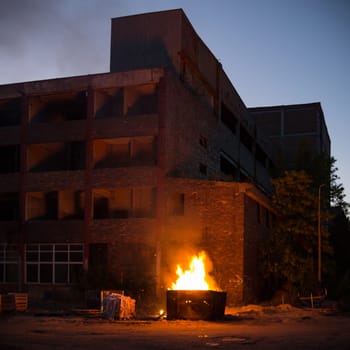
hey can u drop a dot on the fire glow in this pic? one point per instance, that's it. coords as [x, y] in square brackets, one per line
[195, 277]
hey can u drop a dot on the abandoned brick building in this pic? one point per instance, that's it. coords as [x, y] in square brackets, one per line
[130, 171]
[293, 129]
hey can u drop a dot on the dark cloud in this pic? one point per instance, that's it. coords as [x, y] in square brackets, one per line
[65, 37]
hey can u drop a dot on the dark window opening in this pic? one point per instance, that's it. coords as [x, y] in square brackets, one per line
[10, 159]
[227, 168]
[260, 155]
[124, 202]
[75, 155]
[9, 206]
[101, 208]
[71, 205]
[58, 108]
[109, 103]
[245, 138]
[56, 156]
[10, 112]
[42, 206]
[113, 153]
[141, 99]
[228, 118]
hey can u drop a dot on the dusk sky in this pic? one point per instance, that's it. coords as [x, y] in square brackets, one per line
[274, 51]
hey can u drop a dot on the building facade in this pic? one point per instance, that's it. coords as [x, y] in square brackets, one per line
[113, 179]
[294, 130]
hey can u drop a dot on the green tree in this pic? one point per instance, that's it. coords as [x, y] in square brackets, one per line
[337, 191]
[290, 254]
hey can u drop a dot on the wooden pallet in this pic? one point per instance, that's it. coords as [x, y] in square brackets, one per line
[14, 302]
[21, 301]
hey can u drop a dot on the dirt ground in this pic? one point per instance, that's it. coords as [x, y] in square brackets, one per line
[250, 327]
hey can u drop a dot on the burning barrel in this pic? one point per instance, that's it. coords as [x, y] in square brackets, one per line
[193, 297]
[195, 304]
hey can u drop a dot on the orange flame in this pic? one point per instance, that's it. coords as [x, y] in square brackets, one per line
[195, 278]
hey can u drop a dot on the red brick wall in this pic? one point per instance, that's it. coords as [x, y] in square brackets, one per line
[220, 219]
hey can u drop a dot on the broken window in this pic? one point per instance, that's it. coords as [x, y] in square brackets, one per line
[119, 203]
[54, 263]
[58, 108]
[9, 206]
[228, 118]
[143, 150]
[56, 156]
[109, 103]
[176, 204]
[123, 203]
[10, 159]
[144, 202]
[114, 203]
[41, 206]
[112, 153]
[246, 139]
[260, 155]
[10, 112]
[71, 205]
[140, 99]
[9, 257]
[228, 168]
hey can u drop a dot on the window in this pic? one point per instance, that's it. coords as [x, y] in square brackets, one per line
[260, 155]
[112, 153]
[227, 167]
[228, 118]
[124, 202]
[10, 112]
[58, 108]
[8, 263]
[246, 138]
[9, 206]
[56, 156]
[42, 205]
[54, 263]
[10, 159]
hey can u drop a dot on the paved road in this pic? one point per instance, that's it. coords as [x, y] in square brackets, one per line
[21, 332]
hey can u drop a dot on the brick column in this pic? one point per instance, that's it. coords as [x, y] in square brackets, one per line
[160, 198]
[88, 173]
[22, 196]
